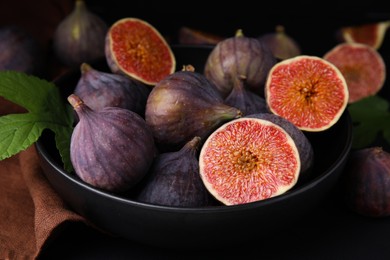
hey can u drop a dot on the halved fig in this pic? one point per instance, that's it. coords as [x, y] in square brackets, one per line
[362, 67]
[247, 160]
[308, 91]
[371, 34]
[135, 48]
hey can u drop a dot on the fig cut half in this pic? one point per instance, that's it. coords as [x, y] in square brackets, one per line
[248, 160]
[362, 67]
[371, 34]
[135, 48]
[308, 91]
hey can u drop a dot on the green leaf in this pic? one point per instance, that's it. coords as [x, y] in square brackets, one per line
[46, 110]
[371, 119]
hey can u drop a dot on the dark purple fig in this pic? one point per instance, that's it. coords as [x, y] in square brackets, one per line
[239, 57]
[245, 100]
[20, 51]
[305, 149]
[367, 182]
[174, 179]
[112, 148]
[100, 89]
[281, 45]
[80, 37]
[183, 105]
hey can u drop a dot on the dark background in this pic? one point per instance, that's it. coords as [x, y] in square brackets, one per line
[330, 232]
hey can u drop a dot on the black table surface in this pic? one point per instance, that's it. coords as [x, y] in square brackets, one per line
[332, 231]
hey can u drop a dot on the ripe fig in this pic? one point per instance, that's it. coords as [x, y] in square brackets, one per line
[183, 105]
[281, 45]
[100, 89]
[80, 36]
[112, 148]
[135, 48]
[20, 51]
[239, 57]
[174, 179]
[367, 182]
[308, 91]
[305, 149]
[247, 160]
[245, 100]
[362, 67]
[371, 34]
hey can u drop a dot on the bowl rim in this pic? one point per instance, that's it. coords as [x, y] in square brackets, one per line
[207, 209]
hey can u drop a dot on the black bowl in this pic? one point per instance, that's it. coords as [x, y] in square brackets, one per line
[198, 227]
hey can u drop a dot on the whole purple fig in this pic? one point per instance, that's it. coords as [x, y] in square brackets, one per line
[80, 37]
[100, 89]
[174, 179]
[281, 45]
[239, 57]
[183, 105]
[20, 51]
[112, 148]
[367, 182]
[245, 100]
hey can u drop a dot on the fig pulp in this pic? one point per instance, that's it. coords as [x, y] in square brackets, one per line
[183, 105]
[239, 57]
[80, 36]
[174, 179]
[371, 34]
[281, 45]
[135, 48]
[308, 91]
[362, 67]
[367, 182]
[247, 160]
[100, 89]
[305, 149]
[112, 148]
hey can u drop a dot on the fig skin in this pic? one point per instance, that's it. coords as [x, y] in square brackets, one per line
[183, 105]
[246, 101]
[111, 149]
[174, 179]
[367, 182]
[281, 45]
[100, 89]
[80, 36]
[190, 36]
[305, 149]
[239, 57]
[20, 51]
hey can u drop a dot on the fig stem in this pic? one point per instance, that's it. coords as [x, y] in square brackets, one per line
[85, 67]
[279, 29]
[239, 33]
[75, 101]
[194, 143]
[188, 67]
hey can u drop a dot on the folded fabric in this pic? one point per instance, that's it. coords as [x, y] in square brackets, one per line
[31, 212]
